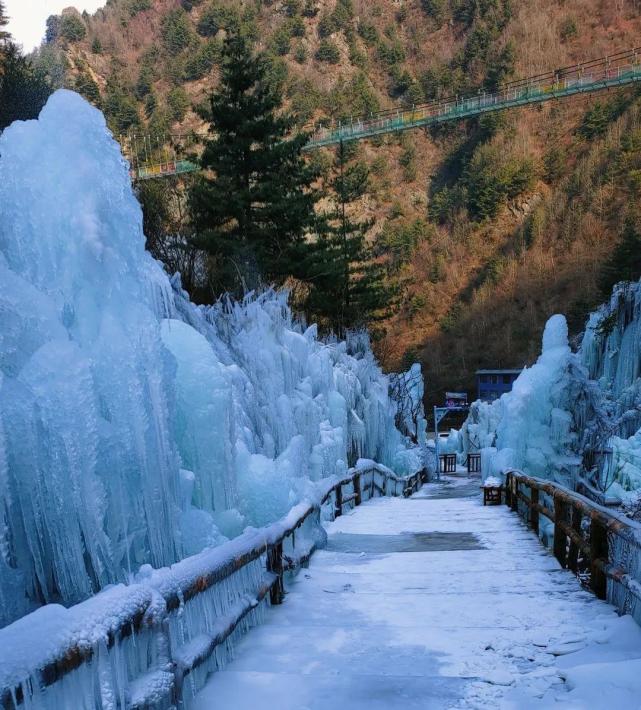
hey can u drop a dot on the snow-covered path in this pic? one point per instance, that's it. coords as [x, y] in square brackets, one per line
[433, 602]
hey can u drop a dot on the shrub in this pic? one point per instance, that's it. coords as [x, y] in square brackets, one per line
[202, 62]
[568, 29]
[356, 56]
[215, 18]
[281, 41]
[553, 164]
[310, 9]
[176, 31]
[435, 10]
[53, 28]
[501, 67]
[178, 103]
[136, 6]
[353, 98]
[400, 239]
[326, 26]
[343, 14]
[72, 27]
[392, 53]
[328, 52]
[300, 53]
[151, 104]
[297, 27]
[121, 109]
[87, 87]
[368, 32]
[491, 178]
[408, 163]
[445, 203]
[401, 81]
[292, 7]
[595, 121]
[144, 83]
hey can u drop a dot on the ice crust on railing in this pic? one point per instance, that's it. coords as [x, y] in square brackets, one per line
[135, 427]
[48, 633]
[171, 625]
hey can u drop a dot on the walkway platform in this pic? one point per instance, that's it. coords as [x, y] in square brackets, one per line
[432, 602]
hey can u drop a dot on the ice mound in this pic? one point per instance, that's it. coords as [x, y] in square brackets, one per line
[573, 417]
[136, 428]
[531, 427]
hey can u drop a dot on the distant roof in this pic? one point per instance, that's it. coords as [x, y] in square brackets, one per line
[499, 372]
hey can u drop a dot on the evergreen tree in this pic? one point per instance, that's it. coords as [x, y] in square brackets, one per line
[4, 21]
[348, 287]
[23, 89]
[624, 263]
[255, 204]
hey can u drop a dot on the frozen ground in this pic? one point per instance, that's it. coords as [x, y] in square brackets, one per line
[492, 624]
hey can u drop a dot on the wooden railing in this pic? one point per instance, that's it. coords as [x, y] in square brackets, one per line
[601, 546]
[274, 544]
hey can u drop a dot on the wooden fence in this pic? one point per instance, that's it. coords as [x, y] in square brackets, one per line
[601, 546]
[275, 545]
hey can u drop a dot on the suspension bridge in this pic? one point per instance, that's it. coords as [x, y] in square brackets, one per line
[158, 157]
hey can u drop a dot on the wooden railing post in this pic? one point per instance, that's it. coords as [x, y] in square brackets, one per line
[573, 554]
[598, 554]
[534, 509]
[357, 489]
[275, 566]
[514, 498]
[338, 510]
[560, 551]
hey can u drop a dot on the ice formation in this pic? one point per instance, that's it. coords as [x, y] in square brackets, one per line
[136, 428]
[530, 427]
[572, 417]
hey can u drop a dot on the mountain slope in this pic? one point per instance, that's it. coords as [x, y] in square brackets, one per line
[490, 225]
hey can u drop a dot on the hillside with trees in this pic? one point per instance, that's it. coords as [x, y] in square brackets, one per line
[479, 230]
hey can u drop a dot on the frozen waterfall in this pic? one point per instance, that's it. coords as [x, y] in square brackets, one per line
[136, 428]
[573, 417]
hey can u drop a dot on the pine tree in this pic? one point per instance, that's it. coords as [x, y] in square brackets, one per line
[624, 263]
[348, 287]
[255, 204]
[4, 21]
[23, 89]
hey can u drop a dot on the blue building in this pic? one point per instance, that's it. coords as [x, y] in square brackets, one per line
[491, 384]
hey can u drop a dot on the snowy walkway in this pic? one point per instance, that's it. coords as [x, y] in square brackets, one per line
[433, 602]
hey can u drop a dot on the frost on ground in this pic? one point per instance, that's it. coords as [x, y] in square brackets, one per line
[136, 428]
[497, 626]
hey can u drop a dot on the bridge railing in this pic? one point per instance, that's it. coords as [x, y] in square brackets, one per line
[616, 69]
[601, 546]
[152, 643]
